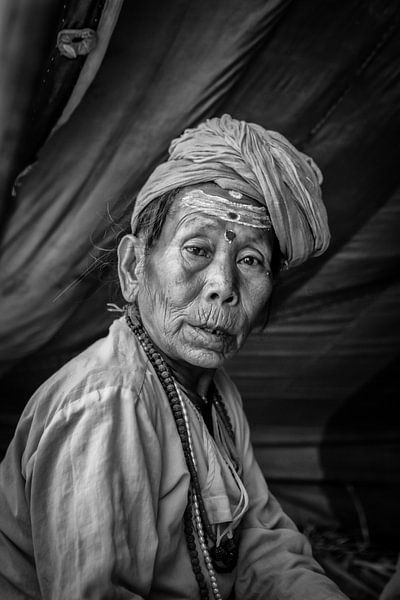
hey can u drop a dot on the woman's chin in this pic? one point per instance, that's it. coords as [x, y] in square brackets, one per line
[205, 358]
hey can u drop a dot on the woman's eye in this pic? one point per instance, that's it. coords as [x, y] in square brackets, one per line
[197, 251]
[250, 261]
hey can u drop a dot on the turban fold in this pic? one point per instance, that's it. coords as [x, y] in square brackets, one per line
[261, 164]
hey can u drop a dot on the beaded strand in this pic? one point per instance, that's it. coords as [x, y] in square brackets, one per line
[182, 422]
[223, 413]
[204, 549]
[196, 495]
[197, 513]
[167, 381]
[224, 556]
[191, 544]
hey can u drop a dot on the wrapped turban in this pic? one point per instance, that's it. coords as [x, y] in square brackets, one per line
[261, 164]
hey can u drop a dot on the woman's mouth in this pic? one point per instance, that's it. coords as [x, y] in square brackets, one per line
[215, 331]
[212, 338]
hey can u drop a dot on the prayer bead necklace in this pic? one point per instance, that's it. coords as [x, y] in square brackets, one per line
[225, 555]
[197, 513]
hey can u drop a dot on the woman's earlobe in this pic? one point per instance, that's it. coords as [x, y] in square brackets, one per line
[130, 250]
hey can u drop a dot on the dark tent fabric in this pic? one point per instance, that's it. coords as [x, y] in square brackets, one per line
[320, 384]
[155, 91]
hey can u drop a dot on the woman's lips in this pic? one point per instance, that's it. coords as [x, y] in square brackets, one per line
[215, 337]
[213, 330]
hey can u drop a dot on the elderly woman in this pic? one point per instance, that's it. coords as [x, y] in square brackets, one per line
[131, 473]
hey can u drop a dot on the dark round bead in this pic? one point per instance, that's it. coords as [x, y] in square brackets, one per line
[196, 484]
[203, 585]
[196, 567]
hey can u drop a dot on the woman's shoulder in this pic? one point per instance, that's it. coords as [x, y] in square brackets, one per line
[113, 370]
[114, 360]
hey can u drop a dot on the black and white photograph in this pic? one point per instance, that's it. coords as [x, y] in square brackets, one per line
[199, 300]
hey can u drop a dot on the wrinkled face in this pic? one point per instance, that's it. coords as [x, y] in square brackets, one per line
[204, 285]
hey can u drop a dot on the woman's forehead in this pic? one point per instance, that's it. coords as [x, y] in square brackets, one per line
[227, 205]
[188, 215]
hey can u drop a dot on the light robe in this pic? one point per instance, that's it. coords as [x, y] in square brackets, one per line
[94, 486]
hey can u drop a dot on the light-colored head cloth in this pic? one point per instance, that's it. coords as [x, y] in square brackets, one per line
[261, 164]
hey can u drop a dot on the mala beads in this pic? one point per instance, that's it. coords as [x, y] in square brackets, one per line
[204, 549]
[182, 423]
[223, 413]
[198, 513]
[194, 558]
[222, 557]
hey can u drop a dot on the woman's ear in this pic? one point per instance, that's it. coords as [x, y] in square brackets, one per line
[130, 265]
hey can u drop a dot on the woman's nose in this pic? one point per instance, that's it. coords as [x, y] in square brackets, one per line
[221, 286]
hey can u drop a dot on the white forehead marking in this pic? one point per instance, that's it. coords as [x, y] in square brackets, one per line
[235, 194]
[232, 212]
